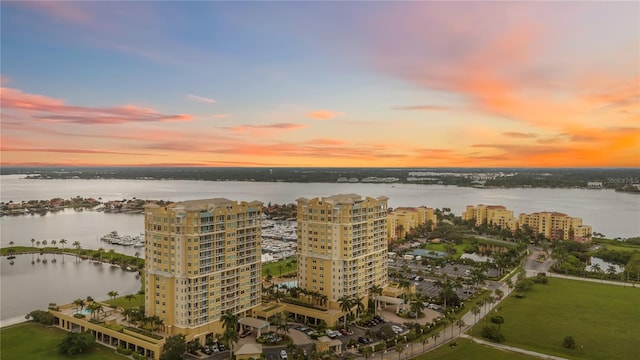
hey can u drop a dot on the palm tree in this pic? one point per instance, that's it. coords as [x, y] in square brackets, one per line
[399, 348]
[358, 302]
[404, 284]
[425, 341]
[130, 297]
[375, 290]
[476, 311]
[367, 351]
[230, 336]
[63, 242]
[435, 335]
[112, 294]
[460, 323]
[137, 255]
[79, 303]
[611, 270]
[229, 320]
[345, 305]
[76, 244]
[32, 242]
[417, 306]
[11, 243]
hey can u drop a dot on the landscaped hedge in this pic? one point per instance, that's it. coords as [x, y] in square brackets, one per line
[302, 303]
[145, 333]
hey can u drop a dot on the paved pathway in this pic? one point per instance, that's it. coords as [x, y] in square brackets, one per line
[513, 349]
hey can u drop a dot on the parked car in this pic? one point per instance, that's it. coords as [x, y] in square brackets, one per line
[245, 333]
[283, 354]
[221, 347]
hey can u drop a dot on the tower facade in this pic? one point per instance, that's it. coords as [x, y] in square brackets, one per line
[342, 246]
[202, 259]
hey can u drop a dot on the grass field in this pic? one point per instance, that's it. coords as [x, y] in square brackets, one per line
[37, 342]
[125, 304]
[468, 349]
[274, 267]
[603, 319]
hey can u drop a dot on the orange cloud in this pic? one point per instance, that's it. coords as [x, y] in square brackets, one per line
[47, 109]
[324, 114]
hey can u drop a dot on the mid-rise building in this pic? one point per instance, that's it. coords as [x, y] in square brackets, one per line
[403, 219]
[202, 260]
[497, 215]
[557, 226]
[342, 247]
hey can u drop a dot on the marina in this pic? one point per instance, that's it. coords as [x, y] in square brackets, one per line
[125, 240]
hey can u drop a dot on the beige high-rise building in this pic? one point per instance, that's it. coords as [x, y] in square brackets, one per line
[342, 246]
[202, 259]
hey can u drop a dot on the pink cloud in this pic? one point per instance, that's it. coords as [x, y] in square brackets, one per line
[276, 126]
[219, 116]
[324, 114]
[47, 109]
[71, 151]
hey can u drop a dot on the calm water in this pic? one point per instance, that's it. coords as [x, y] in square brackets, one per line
[611, 213]
[26, 286]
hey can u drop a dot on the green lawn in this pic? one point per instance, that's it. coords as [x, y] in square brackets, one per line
[603, 319]
[37, 342]
[274, 267]
[125, 304]
[468, 349]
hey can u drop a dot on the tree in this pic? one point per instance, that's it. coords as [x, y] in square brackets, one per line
[345, 305]
[425, 341]
[417, 306]
[130, 297]
[79, 303]
[137, 255]
[32, 242]
[400, 347]
[174, 348]
[230, 336]
[367, 351]
[63, 242]
[113, 294]
[435, 335]
[76, 244]
[359, 303]
[569, 342]
[460, 323]
[375, 290]
[475, 311]
[229, 320]
[76, 343]
[11, 243]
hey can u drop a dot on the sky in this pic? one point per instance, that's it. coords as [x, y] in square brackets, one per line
[320, 84]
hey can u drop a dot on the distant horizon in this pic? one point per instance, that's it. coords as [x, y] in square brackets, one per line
[316, 84]
[319, 167]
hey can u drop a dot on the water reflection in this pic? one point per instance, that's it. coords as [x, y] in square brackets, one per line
[605, 266]
[28, 284]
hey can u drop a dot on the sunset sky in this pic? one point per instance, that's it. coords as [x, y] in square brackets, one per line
[323, 84]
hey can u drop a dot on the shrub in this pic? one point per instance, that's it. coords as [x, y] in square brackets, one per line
[497, 319]
[42, 317]
[492, 333]
[569, 342]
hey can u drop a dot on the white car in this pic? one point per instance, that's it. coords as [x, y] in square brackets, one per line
[283, 354]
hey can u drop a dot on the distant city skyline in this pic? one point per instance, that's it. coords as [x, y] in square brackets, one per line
[320, 84]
